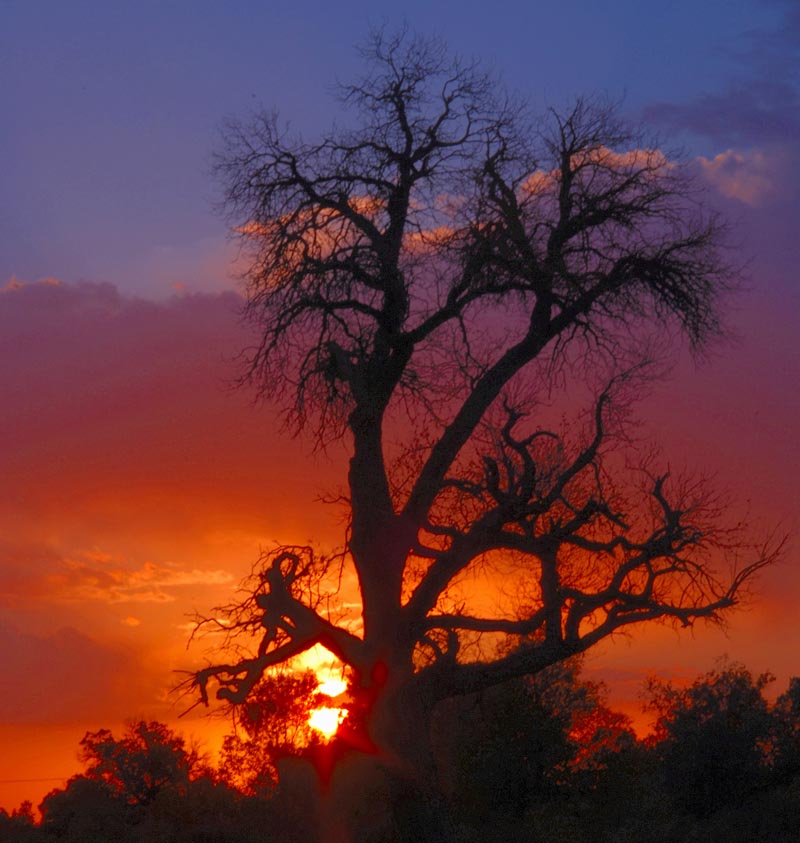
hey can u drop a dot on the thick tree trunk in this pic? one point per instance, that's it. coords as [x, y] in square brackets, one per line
[401, 728]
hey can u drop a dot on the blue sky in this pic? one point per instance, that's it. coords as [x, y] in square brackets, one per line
[111, 110]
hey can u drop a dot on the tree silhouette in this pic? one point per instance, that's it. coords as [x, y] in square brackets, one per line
[427, 278]
[786, 732]
[147, 759]
[148, 786]
[87, 809]
[20, 826]
[527, 741]
[712, 738]
[271, 725]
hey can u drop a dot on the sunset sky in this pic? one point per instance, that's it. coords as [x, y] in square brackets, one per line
[137, 486]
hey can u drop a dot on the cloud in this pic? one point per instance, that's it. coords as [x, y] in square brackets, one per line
[13, 284]
[151, 583]
[751, 177]
[747, 114]
[207, 265]
[63, 676]
[38, 575]
[124, 407]
[760, 106]
[134, 482]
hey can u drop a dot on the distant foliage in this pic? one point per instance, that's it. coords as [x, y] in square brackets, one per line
[136, 768]
[527, 741]
[713, 738]
[786, 735]
[540, 758]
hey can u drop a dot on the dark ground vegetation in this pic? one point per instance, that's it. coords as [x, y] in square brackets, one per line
[541, 759]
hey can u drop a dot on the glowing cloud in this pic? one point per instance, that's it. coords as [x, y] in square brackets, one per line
[749, 177]
[82, 579]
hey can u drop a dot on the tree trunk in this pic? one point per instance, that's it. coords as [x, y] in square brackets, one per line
[393, 795]
[402, 729]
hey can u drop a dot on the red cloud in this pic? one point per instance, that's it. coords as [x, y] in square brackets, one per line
[63, 677]
[120, 410]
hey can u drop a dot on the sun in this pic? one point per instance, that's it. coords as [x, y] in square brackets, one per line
[332, 687]
[332, 683]
[326, 720]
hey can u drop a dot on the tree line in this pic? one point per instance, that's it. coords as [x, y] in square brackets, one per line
[536, 758]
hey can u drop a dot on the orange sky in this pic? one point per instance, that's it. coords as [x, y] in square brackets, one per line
[137, 487]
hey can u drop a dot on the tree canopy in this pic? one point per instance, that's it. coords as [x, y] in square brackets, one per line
[272, 724]
[135, 768]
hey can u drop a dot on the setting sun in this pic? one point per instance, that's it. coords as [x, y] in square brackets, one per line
[326, 720]
[332, 687]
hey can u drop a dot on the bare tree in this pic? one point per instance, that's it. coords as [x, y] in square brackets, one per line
[424, 279]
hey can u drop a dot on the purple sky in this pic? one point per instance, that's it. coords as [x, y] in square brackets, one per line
[111, 110]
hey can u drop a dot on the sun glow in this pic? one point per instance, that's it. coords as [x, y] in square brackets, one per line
[332, 683]
[326, 720]
[332, 687]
